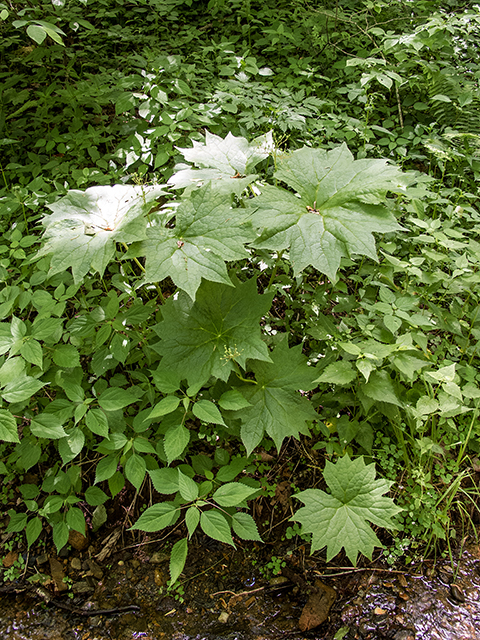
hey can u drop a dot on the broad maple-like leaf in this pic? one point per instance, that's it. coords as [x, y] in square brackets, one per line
[341, 203]
[227, 163]
[85, 226]
[206, 337]
[340, 519]
[276, 406]
[207, 233]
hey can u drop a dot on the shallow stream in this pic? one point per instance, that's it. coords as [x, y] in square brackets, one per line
[226, 598]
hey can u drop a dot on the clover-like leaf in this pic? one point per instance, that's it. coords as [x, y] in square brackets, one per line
[207, 233]
[276, 406]
[341, 202]
[85, 226]
[206, 337]
[227, 163]
[340, 519]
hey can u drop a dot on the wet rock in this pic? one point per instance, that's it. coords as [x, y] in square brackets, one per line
[404, 634]
[159, 578]
[318, 606]
[457, 593]
[403, 580]
[223, 617]
[277, 581]
[445, 576]
[43, 559]
[77, 540]
[82, 587]
[57, 573]
[76, 564]
[10, 559]
[95, 569]
[158, 557]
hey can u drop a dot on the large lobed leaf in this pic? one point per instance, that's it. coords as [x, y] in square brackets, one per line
[207, 233]
[276, 406]
[206, 337]
[85, 226]
[340, 519]
[227, 163]
[340, 204]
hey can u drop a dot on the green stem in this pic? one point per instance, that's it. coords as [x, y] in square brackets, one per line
[142, 268]
[275, 269]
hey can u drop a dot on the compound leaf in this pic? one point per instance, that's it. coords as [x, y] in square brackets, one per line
[340, 519]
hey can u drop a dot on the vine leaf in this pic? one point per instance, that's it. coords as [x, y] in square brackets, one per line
[341, 204]
[227, 163]
[340, 519]
[207, 233]
[276, 407]
[85, 226]
[207, 337]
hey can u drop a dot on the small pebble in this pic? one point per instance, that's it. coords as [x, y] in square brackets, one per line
[223, 617]
[456, 593]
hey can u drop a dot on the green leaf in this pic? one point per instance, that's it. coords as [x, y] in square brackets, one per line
[60, 535]
[8, 427]
[192, 518]
[164, 480]
[21, 389]
[164, 407]
[32, 352]
[116, 483]
[224, 163]
[135, 469]
[340, 520]
[380, 387]
[175, 441]
[232, 494]
[17, 522]
[340, 372]
[204, 338]
[178, 558]
[66, 356]
[70, 446]
[47, 425]
[115, 398]
[207, 233]
[76, 520]
[105, 468]
[232, 400]
[216, 526]
[207, 412]
[33, 530]
[245, 527]
[157, 517]
[188, 488]
[276, 407]
[99, 517]
[97, 422]
[341, 204]
[95, 496]
[36, 33]
[84, 227]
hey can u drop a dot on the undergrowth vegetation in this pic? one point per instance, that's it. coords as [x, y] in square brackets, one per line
[231, 228]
